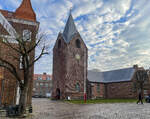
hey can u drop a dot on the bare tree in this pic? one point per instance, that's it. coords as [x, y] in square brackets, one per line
[22, 51]
[141, 78]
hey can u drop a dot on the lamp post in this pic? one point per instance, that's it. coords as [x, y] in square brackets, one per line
[85, 74]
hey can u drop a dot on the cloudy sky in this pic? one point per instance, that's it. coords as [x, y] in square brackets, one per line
[116, 32]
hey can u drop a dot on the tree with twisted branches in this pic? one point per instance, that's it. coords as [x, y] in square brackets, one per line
[141, 77]
[21, 49]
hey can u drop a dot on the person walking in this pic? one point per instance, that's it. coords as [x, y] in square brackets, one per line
[140, 98]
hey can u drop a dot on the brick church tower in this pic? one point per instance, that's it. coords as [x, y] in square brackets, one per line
[69, 64]
[21, 22]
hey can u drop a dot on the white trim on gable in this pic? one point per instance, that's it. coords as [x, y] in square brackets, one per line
[10, 39]
[24, 22]
[7, 26]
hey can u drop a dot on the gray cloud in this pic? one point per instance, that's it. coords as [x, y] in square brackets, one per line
[116, 32]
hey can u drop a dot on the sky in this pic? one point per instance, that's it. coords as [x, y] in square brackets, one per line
[116, 32]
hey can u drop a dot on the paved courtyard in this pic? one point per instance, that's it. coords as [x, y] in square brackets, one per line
[47, 109]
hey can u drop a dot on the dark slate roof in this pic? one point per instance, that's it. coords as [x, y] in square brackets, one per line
[111, 76]
[70, 29]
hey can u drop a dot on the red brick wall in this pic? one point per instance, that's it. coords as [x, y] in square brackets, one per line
[120, 90]
[97, 93]
[113, 90]
[59, 69]
[9, 96]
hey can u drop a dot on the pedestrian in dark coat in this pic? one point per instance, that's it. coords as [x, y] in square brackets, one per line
[140, 98]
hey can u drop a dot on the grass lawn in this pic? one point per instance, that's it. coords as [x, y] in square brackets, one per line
[103, 101]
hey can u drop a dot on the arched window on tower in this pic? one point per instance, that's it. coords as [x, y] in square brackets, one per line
[78, 87]
[78, 44]
[59, 43]
[27, 35]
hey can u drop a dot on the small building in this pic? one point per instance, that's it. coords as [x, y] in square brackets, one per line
[42, 85]
[113, 84]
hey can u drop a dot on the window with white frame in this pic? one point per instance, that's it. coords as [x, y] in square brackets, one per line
[46, 84]
[21, 60]
[37, 84]
[48, 78]
[39, 78]
[27, 35]
[41, 84]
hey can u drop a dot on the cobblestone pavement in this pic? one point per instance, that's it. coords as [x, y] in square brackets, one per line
[47, 109]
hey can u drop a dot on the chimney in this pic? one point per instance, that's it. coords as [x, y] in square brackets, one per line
[135, 66]
[44, 73]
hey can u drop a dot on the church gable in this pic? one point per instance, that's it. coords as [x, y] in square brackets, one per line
[70, 36]
[7, 26]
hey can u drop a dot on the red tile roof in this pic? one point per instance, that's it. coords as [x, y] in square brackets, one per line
[7, 13]
[24, 11]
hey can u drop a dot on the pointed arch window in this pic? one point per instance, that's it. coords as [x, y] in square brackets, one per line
[78, 44]
[59, 43]
[78, 87]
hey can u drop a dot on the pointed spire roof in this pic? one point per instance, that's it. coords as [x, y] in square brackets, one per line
[70, 29]
[25, 11]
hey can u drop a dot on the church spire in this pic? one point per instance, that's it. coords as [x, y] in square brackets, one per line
[25, 11]
[70, 29]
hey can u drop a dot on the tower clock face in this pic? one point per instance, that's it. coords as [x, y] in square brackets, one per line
[77, 56]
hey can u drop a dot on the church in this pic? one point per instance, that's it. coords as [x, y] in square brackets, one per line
[21, 21]
[72, 80]
[70, 56]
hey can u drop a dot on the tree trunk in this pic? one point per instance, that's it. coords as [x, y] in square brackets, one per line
[23, 101]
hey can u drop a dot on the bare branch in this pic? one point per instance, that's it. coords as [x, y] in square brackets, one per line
[41, 54]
